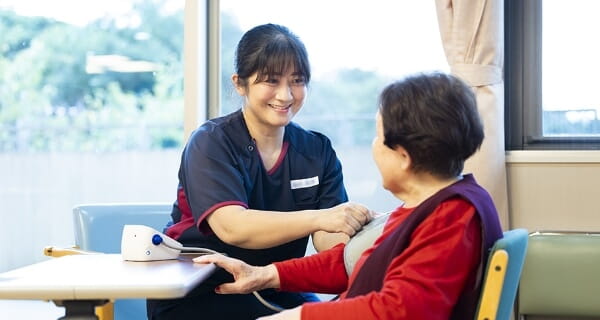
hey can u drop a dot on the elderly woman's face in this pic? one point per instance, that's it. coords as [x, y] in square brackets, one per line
[382, 155]
[393, 164]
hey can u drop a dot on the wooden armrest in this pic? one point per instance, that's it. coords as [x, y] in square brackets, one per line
[56, 252]
[492, 287]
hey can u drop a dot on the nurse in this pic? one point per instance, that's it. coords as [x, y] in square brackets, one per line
[254, 185]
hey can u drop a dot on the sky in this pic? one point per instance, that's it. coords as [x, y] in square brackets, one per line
[71, 11]
[570, 64]
[387, 36]
[392, 37]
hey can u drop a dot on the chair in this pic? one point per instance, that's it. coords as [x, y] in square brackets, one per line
[502, 276]
[560, 276]
[98, 227]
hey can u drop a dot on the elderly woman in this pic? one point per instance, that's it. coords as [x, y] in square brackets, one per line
[427, 262]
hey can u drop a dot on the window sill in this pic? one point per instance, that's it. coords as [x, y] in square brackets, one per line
[553, 156]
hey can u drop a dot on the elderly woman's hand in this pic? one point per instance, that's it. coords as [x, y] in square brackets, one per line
[247, 278]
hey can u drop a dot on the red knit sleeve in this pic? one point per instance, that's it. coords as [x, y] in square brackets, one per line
[323, 272]
[426, 279]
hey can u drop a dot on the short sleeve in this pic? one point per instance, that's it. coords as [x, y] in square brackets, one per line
[211, 173]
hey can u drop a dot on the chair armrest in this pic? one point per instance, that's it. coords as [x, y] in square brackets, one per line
[492, 285]
[56, 252]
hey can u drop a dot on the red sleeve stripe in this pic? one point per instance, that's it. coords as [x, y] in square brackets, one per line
[204, 227]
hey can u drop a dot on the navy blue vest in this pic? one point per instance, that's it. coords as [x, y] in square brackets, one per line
[370, 276]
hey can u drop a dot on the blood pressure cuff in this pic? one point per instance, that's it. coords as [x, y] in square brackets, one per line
[363, 240]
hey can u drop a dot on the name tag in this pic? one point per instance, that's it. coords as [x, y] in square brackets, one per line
[304, 183]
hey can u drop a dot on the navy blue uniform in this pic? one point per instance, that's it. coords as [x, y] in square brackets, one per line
[221, 166]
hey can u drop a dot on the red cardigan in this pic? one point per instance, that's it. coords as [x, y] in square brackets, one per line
[423, 282]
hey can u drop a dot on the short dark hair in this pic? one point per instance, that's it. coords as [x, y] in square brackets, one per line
[434, 117]
[270, 49]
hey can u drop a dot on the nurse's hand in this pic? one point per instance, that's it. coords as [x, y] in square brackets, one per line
[291, 314]
[347, 217]
[247, 278]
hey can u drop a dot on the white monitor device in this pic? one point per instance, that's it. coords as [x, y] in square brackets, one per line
[142, 243]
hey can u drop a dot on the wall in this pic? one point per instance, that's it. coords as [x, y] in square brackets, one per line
[38, 192]
[554, 190]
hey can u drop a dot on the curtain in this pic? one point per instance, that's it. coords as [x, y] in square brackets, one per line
[473, 40]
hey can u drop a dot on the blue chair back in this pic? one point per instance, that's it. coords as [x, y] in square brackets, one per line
[502, 276]
[99, 227]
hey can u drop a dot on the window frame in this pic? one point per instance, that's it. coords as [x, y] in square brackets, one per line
[201, 63]
[523, 83]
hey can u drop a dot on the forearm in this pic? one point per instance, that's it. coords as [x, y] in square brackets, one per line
[325, 240]
[270, 275]
[256, 229]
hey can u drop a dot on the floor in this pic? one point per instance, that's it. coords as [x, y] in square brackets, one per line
[30, 309]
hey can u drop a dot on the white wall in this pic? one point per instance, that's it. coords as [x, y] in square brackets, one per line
[554, 190]
[38, 191]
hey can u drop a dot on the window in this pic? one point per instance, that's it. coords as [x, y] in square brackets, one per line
[355, 49]
[551, 98]
[91, 110]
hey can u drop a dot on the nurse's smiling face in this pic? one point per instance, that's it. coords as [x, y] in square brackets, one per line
[274, 100]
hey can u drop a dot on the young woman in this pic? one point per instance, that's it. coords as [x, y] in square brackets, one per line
[254, 185]
[427, 262]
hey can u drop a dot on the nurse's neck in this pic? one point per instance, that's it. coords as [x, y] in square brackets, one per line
[268, 139]
[269, 145]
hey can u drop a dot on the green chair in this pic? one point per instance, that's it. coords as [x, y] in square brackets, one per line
[561, 276]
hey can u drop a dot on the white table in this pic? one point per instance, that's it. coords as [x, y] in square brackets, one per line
[81, 282]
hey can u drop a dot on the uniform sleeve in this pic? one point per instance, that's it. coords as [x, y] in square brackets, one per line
[211, 175]
[323, 272]
[425, 281]
[332, 191]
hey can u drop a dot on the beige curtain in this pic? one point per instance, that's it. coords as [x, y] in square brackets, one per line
[473, 39]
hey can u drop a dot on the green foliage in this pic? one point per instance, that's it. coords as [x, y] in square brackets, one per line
[230, 35]
[341, 105]
[16, 32]
[49, 101]
[560, 123]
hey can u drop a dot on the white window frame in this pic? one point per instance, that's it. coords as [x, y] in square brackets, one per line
[201, 63]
